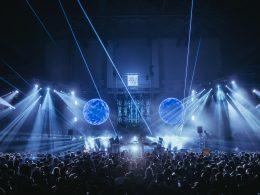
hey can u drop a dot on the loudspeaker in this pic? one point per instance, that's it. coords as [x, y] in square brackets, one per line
[199, 129]
[70, 132]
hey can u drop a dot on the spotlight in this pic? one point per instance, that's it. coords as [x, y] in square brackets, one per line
[72, 93]
[134, 148]
[193, 91]
[54, 91]
[75, 119]
[233, 82]
[16, 91]
[192, 117]
[218, 86]
[36, 86]
[48, 89]
[76, 102]
[254, 90]
[134, 139]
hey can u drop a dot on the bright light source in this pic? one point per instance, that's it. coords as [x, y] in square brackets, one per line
[132, 80]
[16, 91]
[192, 99]
[193, 91]
[134, 148]
[54, 91]
[36, 85]
[218, 86]
[75, 119]
[192, 117]
[254, 90]
[76, 102]
[233, 82]
[134, 139]
[72, 93]
[48, 89]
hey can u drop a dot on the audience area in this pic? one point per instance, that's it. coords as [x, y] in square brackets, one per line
[159, 172]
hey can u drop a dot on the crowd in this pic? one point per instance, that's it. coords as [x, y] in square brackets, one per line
[158, 172]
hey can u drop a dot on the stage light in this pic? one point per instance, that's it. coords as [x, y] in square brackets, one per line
[193, 91]
[54, 91]
[134, 139]
[16, 91]
[192, 117]
[233, 82]
[134, 148]
[226, 86]
[76, 102]
[75, 119]
[36, 85]
[48, 89]
[218, 86]
[72, 93]
[254, 90]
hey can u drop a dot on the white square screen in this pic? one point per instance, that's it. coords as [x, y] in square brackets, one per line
[132, 80]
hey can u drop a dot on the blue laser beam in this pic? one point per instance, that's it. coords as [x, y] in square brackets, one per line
[195, 65]
[5, 63]
[113, 64]
[83, 58]
[188, 50]
[7, 82]
[41, 22]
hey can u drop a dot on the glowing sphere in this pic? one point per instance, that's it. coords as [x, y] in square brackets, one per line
[96, 111]
[171, 111]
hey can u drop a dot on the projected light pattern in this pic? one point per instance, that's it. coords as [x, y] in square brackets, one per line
[171, 111]
[96, 111]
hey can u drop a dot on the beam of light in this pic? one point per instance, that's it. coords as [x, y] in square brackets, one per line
[5, 103]
[195, 65]
[41, 22]
[250, 116]
[10, 67]
[256, 92]
[61, 145]
[239, 125]
[83, 58]
[20, 106]
[7, 94]
[188, 50]
[196, 107]
[241, 97]
[10, 84]
[113, 64]
[36, 130]
[10, 132]
[70, 104]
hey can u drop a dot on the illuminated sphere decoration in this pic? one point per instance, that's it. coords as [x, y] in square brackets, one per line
[96, 111]
[171, 111]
